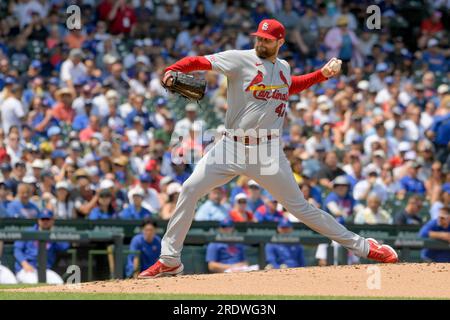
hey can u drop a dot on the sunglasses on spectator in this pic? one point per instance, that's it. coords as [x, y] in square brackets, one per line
[242, 201]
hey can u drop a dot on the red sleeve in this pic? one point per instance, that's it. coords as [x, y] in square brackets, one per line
[300, 83]
[189, 64]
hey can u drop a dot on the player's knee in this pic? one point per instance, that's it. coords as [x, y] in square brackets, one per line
[190, 190]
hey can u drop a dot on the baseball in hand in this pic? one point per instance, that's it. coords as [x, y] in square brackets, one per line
[332, 67]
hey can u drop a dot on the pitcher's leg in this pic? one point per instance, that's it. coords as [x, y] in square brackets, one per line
[205, 177]
[283, 187]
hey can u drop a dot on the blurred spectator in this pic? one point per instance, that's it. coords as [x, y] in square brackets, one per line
[373, 213]
[148, 244]
[340, 202]
[329, 170]
[63, 110]
[410, 215]
[437, 229]
[26, 253]
[62, 205]
[23, 207]
[151, 199]
[269, 211]
[280, 256]
[12, 109]
[214, 209]
[226, 257]
[104, 208]
[442, 201]
[122, 17]
[372, 183]
[239, 213]
[135, 210]
[411, 183]
[73, 69]
[173, 191]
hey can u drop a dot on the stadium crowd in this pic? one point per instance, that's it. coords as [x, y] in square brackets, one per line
[87, 130]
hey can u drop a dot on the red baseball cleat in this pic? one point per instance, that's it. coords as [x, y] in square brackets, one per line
[161, 270]
[381, 252]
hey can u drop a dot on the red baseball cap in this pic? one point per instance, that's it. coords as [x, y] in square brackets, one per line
[270, 29]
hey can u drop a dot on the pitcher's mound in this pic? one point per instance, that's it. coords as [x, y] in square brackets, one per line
[430, 280]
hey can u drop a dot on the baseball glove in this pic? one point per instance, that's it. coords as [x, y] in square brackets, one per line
[186, 85]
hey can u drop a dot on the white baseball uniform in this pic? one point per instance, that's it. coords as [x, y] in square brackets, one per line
[258, 91]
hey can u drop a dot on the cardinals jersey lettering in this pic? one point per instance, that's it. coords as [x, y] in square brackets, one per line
[258, 90]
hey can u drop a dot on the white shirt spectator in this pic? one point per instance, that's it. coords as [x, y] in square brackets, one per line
[12, 110]
[363, 186]
[151, 199]
[367, 216]
[166, 16]
[100, 106]
[69, 71]
[183, 126]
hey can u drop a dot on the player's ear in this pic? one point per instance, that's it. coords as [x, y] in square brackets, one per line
[280, 43]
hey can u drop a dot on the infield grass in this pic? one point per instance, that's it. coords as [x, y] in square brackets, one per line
[7, 294]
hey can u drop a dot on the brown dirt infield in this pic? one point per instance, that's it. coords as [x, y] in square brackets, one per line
[426, 280]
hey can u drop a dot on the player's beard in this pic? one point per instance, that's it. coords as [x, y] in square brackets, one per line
[264, 52]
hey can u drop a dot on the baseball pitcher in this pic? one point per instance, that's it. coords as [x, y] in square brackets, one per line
[259, 85]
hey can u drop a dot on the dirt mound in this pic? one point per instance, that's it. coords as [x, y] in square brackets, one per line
[399, 280]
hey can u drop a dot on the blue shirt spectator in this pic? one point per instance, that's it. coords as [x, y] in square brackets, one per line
[279, 255]
[411, 183]
[104, 209]
[135, 210]
[437, 229]
[148, 244]
[213, 209]
[26, 252]
[268, 212]
[22, 207]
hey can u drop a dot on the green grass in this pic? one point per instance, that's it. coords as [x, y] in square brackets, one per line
[5, 295]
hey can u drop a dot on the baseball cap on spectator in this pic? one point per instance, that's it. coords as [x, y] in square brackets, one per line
[5, 166]
[143, 141]
[76, 53]
[301, 106]
[270, 29]
[121, 161]
[419, 87]
[112, 94]
[341, 181]
[45, 214]
[379, 153]
[97, 135]
[93, 171]
[342, 21]
[46, 174]
[397, 111]
[81, 173]
[173, 188]
[19, 163]
[53, 131]
[10, 80]
[143, 60]
[145, 177]
[53, 81]
[161, 102]
[138, 191]
[404, 146]
[109, 59]
[106, 184]
[138, 120]
[381, 67]
[191, 107]
[432, 43]
[226, 223]
[363, 85]
[240, 196]
[285, 223]
[63, 185]
[253, 184]
[389, 80]
[442, 89]
[58, 153]
[76, 146]
[38, 164]
[105, 193]
[308, 174]
[371, 169]
[415, 164]
[36, 64]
